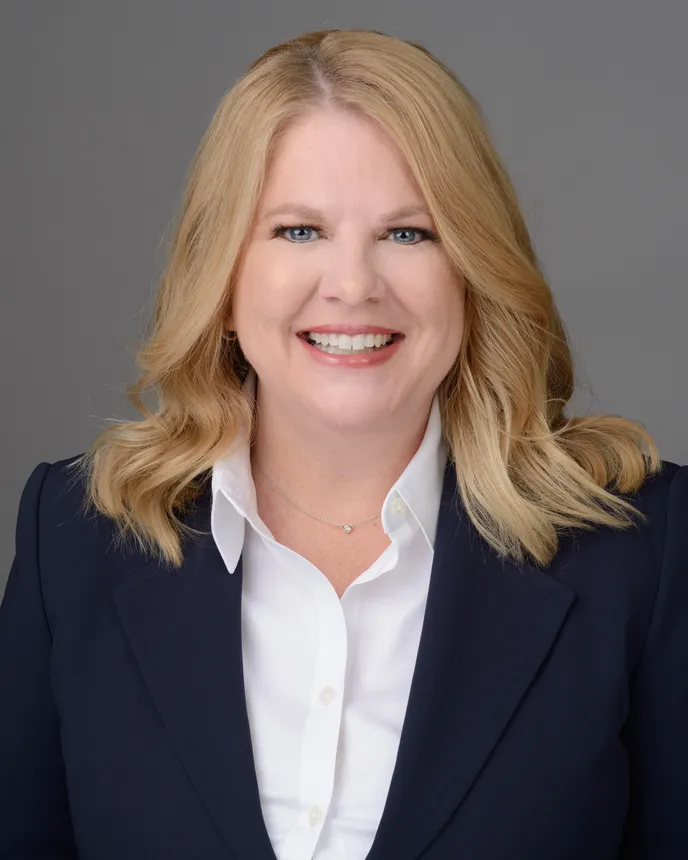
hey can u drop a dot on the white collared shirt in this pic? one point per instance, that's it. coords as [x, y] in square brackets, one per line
[327, 679]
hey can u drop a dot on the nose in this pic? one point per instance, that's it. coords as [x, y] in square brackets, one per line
[351, 278]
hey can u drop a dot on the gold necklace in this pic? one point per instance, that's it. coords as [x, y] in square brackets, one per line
[347, 527]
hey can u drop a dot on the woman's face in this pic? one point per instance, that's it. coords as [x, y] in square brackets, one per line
[353, 266]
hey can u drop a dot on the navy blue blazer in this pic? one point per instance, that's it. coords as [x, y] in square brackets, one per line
[547, 718]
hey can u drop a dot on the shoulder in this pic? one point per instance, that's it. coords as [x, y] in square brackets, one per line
[661, 496]
[653, 493]
[52, 503]
[663, 501]
[624, 579]
[73, 550]
[670, 511]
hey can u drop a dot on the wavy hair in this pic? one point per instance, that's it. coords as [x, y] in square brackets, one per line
[525, 470]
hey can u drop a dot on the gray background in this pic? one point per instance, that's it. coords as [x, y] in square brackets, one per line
[103, 104]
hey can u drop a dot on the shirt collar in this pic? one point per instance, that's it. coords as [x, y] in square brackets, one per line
[234, 494]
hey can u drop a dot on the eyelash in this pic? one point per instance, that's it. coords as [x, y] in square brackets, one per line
[429, 235]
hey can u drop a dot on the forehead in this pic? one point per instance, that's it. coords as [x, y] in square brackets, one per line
[333, 155]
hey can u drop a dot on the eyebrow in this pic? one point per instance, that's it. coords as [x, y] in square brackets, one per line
[309, 213]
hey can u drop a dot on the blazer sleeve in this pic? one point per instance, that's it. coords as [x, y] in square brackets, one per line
[656, 733]
[34, 811]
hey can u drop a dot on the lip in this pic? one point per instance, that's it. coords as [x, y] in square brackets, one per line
[349, 329]
[355, 360]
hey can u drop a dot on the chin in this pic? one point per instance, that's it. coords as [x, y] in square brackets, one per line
[349, 413]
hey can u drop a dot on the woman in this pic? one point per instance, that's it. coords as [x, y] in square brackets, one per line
[357, 587]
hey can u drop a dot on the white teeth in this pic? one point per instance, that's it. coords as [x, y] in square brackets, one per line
[345, 341]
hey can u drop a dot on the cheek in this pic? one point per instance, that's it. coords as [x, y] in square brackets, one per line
[441, 308]
[264, 298]
[444, 326]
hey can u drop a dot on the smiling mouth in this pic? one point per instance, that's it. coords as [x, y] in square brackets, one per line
[336, 350]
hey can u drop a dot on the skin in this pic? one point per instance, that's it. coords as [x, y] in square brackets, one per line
[333, 438]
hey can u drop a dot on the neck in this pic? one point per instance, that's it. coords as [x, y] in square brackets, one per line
[342, 477]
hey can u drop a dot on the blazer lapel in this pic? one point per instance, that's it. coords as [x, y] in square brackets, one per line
[184, 627]
[489, 624]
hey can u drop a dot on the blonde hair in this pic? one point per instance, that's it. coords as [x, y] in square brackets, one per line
[524, 469]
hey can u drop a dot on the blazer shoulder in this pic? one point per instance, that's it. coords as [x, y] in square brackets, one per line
[73, 548]
[676, 516]
[653, 495]
[45, 488]
[57, 490]
[52, 506]
[661, 497]
[662, 540]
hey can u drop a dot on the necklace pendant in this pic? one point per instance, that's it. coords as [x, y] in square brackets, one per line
[348, 529]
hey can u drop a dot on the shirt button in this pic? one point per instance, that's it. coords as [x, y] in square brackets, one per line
[315, 815]
[326, 695]
[398, 506]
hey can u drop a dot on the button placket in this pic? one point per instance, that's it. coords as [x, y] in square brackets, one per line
[323, 723]
[315, 816]
[327, 695]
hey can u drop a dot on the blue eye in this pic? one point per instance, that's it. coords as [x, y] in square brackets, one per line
[279, 229]
[427, 235]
